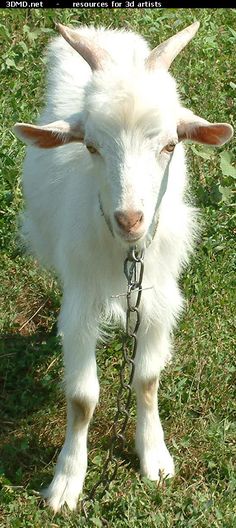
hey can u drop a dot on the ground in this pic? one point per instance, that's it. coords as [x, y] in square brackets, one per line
[196, 394]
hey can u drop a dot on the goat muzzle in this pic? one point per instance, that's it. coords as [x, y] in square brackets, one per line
[130, 222]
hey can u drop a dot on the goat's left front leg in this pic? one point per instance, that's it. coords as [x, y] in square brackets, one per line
[155, 459]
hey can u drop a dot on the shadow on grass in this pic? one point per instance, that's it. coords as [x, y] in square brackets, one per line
[29, 374]
[30, 395]
[33, 412]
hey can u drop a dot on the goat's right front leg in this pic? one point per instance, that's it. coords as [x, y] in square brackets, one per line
[82, 391]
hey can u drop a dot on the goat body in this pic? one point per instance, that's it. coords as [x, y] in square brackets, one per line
[113, 110]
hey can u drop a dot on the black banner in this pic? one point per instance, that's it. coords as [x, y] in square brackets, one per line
[113, 4]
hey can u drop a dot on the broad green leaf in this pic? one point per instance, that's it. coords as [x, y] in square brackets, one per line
[10, 63]
[97, 460]
[226, 192]
[226, 166]
[23, 46]
[201, 153]
[97, 522]
[226, 156]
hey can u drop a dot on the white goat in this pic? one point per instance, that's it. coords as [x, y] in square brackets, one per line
[114, 111]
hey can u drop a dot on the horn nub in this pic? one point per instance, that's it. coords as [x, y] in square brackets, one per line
[96, 57]
[163, 55]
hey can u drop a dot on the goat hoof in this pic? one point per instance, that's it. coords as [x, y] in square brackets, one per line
[63, 490]
[157, 464]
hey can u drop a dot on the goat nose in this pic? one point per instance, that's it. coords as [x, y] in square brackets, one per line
[129, 220]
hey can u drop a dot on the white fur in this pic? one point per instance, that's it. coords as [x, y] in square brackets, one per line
[130, 114]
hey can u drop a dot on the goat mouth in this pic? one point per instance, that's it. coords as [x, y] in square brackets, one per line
[130, 238]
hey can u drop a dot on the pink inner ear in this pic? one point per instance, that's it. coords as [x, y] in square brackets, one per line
[49, 136]
[43, 138]
[209, 134]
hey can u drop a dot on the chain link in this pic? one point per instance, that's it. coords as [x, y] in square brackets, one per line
[133, 270]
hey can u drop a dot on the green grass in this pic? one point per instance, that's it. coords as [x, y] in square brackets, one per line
[196, 394]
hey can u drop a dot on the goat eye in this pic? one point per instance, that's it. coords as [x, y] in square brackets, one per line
[92, 149]
[169, 147]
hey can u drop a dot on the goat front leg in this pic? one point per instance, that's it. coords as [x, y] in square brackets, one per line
[82, 392]
[155, 459]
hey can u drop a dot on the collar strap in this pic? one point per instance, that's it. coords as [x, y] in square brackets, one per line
[155, 220]
[105, 216]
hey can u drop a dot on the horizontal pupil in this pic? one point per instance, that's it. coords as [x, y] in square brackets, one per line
[169, 147]
[91, 149]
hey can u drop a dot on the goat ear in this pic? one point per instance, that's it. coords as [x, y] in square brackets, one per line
[48, 136]
[194, 128]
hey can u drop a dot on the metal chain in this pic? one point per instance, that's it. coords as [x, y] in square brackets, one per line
[133, 270]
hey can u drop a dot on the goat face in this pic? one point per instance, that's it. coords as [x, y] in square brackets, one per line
[131, 138]
[130, 173]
